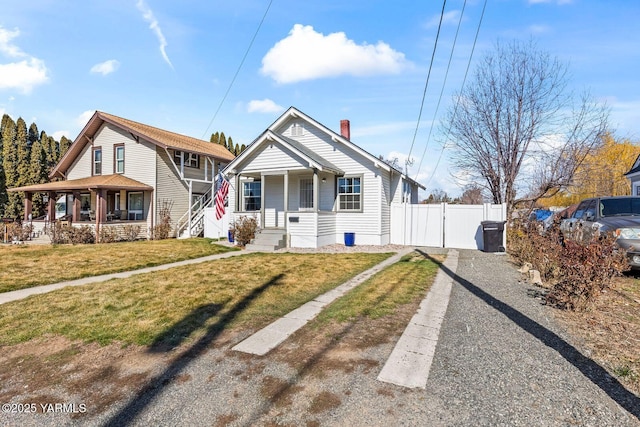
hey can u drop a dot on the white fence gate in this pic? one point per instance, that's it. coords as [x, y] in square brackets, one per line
[215, 229]
[443, 225]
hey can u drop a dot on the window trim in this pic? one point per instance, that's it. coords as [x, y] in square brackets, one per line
[94, 150]
[115, 158]
[189, 159]
[244, 198]
[136, 211]
[339, 194]
[300, 207]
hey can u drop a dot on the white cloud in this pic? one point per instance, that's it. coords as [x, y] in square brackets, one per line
[147, 15]
[84, 117]
[106, 67]
[451, 17]
[539, 29]
[306, 55]
[59, 134]
[264, 106]
[23, 75]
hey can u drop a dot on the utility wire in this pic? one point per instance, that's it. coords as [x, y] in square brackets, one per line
[426, 84]
[455, 109]
[246, 53]
[444, 83]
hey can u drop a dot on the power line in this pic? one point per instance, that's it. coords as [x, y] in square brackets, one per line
[238, 70]
[455, 108]
[426, 84]
[444, 83]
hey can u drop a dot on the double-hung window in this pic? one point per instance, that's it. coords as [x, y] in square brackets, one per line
[118, 158]
[97, 161]
[136, 206]
[350, 193]
[191, 160]
[251, 195]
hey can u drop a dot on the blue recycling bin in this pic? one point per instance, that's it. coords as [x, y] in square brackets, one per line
[230, 236]
[349, 239]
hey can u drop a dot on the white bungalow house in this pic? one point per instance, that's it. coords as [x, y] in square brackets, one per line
[310, 185]
[120, 171]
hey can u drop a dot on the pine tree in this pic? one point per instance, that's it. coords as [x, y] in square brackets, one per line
[215, 138]
[22, 152]
[9, 163]
[223, 140]
[63, 146]
[242, 148]
[37, 175]
[33, 134]
[3, 188]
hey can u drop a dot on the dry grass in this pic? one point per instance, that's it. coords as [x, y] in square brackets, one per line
[164, 309]
[25, 266]
[610, 329]
[382, 294]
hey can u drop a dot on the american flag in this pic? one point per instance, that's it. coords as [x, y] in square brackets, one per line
[221, 195]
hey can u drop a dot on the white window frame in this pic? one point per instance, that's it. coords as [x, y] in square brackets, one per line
[137, 214]
[191, 160]
[305, 202]
[118, 160]
[350, 195]
[96, 167]
[258, 202]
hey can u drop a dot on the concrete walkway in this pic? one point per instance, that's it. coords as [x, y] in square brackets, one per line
[274, 334]
[410, 361]
[24, 293]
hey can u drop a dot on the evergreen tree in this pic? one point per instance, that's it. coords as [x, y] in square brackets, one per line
[22, 152]
[3, 188]
[242, 148]
[9, 163]
[38, 173]
[33, 134]
[215, 138]
[223, 140]
[63, 146]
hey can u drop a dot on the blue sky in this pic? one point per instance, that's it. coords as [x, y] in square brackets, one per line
[169, 64]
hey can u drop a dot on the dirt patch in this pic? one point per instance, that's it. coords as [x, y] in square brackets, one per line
[325, 401]
[609, 331]
[57, 370]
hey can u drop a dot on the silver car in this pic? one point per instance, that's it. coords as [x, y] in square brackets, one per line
[619, 215]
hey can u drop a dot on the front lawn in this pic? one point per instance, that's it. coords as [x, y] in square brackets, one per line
[168, 307]
[25, 266]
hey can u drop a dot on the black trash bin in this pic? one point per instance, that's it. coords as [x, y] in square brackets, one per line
[492, 232]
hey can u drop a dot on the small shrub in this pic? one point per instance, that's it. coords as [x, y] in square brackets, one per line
[108, 234]
[17, 231]
[163, 229]
[131, 232]
[67, 234]
[576, 273]
[244, 230]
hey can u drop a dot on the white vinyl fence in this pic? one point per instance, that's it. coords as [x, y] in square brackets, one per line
[215, 229]
[443, 225]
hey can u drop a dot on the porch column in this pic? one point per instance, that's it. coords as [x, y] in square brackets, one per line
[315, 190]
[262, 185]
[190, 202]
[28, 205]
[237, 203]
[286, 195]
[51, 207]
[101, 211]
[75, 212]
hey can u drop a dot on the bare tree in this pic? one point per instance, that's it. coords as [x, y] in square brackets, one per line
[517, 129]
[472, 195]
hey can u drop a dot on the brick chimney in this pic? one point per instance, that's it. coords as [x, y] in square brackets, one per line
[345, 129]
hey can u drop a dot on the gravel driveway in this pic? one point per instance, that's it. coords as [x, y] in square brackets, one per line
[501, 360]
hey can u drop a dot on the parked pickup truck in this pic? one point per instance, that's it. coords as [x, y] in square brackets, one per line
[619, 215]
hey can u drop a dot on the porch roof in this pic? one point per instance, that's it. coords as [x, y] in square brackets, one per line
[108, 182]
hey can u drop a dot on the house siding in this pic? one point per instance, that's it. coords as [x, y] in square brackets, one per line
[170, 187]
[273, 157]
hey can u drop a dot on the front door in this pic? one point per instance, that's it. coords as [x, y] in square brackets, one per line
[274, 201]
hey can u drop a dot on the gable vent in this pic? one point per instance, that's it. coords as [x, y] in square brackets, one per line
[297, 129]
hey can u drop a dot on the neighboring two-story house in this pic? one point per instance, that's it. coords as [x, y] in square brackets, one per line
[118, 171]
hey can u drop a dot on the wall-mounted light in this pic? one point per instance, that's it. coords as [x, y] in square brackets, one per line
[324, 180]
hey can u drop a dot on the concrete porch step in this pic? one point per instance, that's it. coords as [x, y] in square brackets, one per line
[268, 240]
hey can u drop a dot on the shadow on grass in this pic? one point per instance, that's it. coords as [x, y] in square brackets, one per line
[589, 368]
[179, 332]
[127, 414]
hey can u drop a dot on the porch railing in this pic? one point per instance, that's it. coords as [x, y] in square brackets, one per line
[192, 226]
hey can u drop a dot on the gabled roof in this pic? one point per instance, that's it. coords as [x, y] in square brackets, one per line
[635, 168]
[108, 182]
[314, 160]
[336, 137]
[159, 137]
